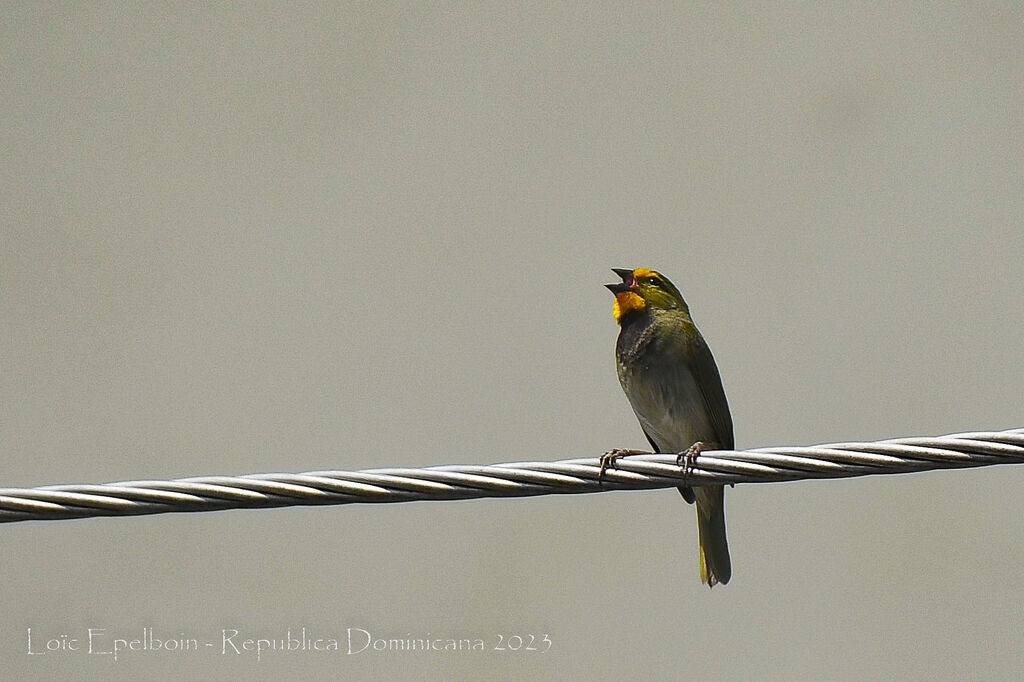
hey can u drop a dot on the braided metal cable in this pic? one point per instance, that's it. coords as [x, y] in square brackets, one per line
[513, 479]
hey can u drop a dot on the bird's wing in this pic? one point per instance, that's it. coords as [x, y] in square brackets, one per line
[705, 372]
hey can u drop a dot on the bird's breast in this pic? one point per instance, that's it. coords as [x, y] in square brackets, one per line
[664, 393]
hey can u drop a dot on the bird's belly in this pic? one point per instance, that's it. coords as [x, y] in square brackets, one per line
[672, 411]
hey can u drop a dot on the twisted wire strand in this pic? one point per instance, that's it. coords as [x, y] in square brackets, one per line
[511, 479]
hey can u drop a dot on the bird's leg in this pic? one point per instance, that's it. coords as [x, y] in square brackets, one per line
[609, 458]
[687, 459]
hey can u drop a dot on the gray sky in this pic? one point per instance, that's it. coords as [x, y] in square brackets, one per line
[250, 239]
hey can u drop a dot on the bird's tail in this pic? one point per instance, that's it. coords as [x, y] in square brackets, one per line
[715, 566]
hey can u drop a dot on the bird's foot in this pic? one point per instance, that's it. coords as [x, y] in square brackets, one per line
[609, 458]
[688, 458]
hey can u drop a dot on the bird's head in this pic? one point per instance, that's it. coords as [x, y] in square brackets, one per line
[643, 289]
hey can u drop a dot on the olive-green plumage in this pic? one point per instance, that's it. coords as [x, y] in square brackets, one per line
[670, 377]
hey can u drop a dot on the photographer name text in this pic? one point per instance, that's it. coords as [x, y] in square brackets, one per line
[97, 641]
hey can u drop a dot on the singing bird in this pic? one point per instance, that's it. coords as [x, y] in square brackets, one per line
[670, 377]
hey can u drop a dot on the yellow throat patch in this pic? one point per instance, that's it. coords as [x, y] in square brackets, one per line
[625, 303]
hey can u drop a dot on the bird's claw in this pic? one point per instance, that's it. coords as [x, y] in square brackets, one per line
[609, 458]
[688, 459]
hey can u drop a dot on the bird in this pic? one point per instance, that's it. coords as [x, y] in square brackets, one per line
[672, 382]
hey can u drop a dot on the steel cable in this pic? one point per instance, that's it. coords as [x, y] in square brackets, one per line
[512, 479]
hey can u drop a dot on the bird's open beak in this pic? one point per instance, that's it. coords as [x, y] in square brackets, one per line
[626, 284]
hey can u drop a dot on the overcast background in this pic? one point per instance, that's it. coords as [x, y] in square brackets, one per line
[294, 237]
